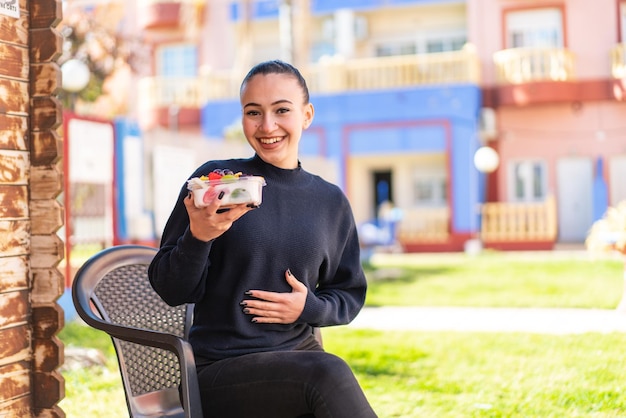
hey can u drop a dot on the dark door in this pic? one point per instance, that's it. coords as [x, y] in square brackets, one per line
[382, 189]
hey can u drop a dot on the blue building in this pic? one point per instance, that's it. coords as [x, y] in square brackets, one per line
[413, 147]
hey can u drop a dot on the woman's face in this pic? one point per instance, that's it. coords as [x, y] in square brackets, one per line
[274, 116]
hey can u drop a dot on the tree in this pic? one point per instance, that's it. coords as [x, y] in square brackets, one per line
[91, 35]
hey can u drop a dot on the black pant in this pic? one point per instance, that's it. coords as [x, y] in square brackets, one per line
[282, 384]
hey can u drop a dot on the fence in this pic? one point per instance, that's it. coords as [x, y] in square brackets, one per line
[519, 222]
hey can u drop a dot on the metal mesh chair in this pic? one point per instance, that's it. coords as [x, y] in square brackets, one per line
[111, 292]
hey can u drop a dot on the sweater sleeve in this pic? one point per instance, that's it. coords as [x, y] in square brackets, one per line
[340, 293]
[178, 271]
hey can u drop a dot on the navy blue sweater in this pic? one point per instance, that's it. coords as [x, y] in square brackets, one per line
[304, 224]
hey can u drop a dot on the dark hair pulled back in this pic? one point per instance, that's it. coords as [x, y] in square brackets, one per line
[277, 67]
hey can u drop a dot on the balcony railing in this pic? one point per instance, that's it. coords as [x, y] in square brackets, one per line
[332, 75]
[168, 91]
[191, 92]
[618, 61]
[523, 65]
[424, 226]
[519, 222]
[501, 222]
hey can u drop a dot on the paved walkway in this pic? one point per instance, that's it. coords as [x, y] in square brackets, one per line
[545, 321]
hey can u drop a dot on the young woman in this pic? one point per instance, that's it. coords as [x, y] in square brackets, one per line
[262, 277]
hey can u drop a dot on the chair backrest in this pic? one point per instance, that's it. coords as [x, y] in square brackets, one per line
[112, 288]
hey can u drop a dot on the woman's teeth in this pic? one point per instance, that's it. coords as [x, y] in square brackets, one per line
[270, 140]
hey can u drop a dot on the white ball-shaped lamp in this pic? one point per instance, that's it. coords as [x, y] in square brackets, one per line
[486, 159]
[75, 75]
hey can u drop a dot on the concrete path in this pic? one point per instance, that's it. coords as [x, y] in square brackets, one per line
[545, 321]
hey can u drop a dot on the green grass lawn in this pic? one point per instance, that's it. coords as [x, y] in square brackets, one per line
[496, 280]
[439, 375]
[447, 374]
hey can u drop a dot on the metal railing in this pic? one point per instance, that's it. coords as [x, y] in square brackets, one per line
[519, 222]
[522, 65]
[331, 75]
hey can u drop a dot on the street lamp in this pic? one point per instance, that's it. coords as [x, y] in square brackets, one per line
[486, 160]
[75, 75]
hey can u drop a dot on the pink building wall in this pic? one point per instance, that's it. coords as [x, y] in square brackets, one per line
[550, 132]
[555, 122]
[591, 28]
[484, 26]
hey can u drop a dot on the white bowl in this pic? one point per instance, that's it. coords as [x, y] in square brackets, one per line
[245, 189]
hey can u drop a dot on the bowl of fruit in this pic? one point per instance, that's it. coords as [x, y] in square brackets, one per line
[237, 188]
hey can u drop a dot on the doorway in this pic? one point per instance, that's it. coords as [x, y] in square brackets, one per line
[575, 198]
[383, 189]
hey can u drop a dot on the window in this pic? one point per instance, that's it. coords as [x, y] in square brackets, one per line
[534, 28]
[179, 60]
[430, 192]
[528, 180]
[445, 44]
[322, 49]
[400, 48]
[429, 187]
[423, 44]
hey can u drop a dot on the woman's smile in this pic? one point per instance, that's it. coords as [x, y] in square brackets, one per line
[273, 140]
